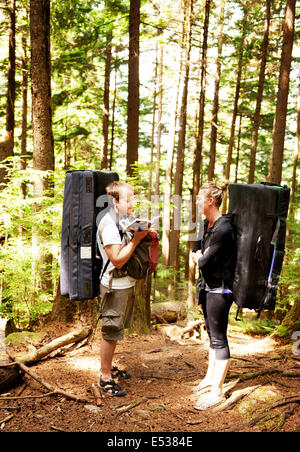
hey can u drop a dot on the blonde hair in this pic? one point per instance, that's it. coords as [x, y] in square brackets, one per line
[115, 187]
[215, 190]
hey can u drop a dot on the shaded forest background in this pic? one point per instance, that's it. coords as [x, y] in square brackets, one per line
[168, 94]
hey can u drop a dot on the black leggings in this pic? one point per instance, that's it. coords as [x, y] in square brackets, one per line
[216, 307]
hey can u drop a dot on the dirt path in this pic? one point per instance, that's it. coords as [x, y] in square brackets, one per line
[159, 397]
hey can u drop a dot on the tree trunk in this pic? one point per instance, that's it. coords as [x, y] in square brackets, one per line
[215, 109]
[11, 89]
[292, 318]
[158, 138]
[41, 85]
[238, 150]
[235, 107]
[169, 163]
[133, 87]
[174, 251]
[105, 123]
[142, 309]
[67, 311]
[279, 125]
[296, 156]
[259, 96]
[198, 156]
[23, 164]
[150, 183]
[7, 145]
[43, 150]
[113, 123]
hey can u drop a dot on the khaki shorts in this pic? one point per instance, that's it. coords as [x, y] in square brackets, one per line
[117, 312]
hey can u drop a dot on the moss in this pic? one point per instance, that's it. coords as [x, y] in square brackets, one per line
[24, 337]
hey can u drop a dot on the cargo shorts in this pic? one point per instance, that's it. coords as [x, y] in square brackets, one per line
[117, 310]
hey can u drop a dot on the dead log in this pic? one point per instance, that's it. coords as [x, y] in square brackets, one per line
[191, 327]
[62, 341]
[10, 373]
[168, 312]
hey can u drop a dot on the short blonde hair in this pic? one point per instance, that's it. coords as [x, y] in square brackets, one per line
[115, 187]
[215, 190]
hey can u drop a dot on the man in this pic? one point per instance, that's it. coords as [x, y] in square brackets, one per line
[117, 293]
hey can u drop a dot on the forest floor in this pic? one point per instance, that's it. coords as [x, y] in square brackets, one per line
[159, 397]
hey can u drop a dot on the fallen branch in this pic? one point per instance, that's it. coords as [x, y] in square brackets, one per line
[58, 429]
[6, 419]
[234, 399]
[190, 328]
[44, 383]
[28, 397]
[268, 371]
[126, 408]
[74, 336]
[97, 395]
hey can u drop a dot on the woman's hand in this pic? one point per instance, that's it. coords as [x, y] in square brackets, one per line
[196, 256]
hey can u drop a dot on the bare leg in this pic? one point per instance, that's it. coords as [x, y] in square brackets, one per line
[215, 396]
[106, 355]
[208, 379]
[221, 369]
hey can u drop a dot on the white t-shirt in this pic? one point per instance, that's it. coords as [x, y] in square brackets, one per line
[111, 236]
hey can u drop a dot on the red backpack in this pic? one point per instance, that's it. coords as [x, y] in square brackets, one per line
[152, 257]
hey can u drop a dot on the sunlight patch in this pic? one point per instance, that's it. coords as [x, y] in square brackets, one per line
[86, 363]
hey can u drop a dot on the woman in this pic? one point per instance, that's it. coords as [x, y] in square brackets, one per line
[215, 256]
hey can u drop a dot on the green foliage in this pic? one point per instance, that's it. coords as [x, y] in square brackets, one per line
[20, 266]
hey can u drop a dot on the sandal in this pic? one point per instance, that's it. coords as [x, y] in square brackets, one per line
[120, 374]
[111, 388]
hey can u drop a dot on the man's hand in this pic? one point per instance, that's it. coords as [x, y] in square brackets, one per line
[140, 235]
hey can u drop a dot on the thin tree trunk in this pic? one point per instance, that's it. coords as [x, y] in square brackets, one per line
[279, 125]
[150, 183]
[7, 145]
[159, 129]
[43, 150]
[238, 150]
[24, 109]
[197, 162]
[133, 87]
[11, 89]
[296, 156]
[105, 123]
[112, 138]
[259, 97]
[170, 157]
[235, 107]
[174, 256]
[215, 109]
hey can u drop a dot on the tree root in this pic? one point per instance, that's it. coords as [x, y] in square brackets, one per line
[42, 382]
[265, 416]
[268, 371]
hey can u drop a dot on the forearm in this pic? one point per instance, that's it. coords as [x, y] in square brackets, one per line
[125, 253]
[119, 255]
